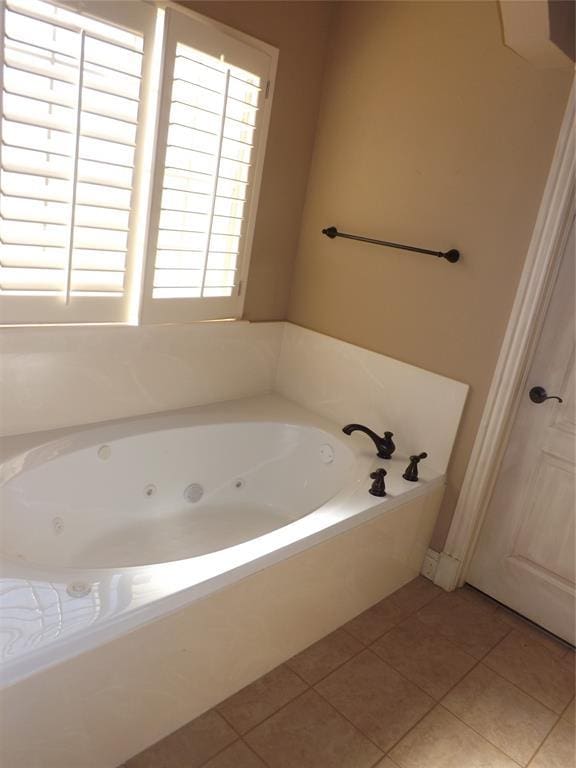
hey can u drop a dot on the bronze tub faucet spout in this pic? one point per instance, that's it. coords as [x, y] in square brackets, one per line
[384, 445]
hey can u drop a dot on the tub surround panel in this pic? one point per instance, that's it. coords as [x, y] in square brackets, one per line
[102, 707]
[57, 377]
[346, 383]
[69, 376]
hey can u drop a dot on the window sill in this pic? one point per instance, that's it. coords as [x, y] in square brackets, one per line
[37, 326]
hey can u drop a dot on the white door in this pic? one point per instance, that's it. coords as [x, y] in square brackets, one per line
[525, 554]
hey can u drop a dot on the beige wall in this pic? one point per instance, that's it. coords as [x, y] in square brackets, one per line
[300, 31]
[431, 132]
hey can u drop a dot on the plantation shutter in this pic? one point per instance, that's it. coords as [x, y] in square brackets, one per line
[210, 152]
[70, 147]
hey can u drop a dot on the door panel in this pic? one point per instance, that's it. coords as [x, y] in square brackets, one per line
[525, 553]
[544, 537]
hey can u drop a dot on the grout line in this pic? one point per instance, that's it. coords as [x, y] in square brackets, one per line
[223, 716]
[219, 752]
[336, 668]
[276, 711]
[566, 707]
[543, 742]
[343, 628]
[378, 759]
[467, 725]
[558, 717]
[539, 747]
[412, 727]
[401, 619]
[298, 675]
[364, 645]
[253, 751]
[438, 702]
[243, 733]
[331, 706]
[528, 621]
[434, 704]
[481, 661]
[476, 660]
[356, 728]
[488, 740]
[530, 696]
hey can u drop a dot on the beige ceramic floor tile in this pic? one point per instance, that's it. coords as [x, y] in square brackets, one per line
[525, 625]
[442, 741]
[191, 745]
[386, 763]
[424, 657]
[374, 622]
[471, 624]
[536, 670]
[502, 713]
[261, 698]
[236, 756]
[551, 643]
[559, 749]
[475, 596]
[415, 595]
[569, 714]
[325, 656]
[309, 733]
[375, 698]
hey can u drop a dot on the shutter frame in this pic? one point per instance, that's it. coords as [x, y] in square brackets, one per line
[209, 37]
[84, 304]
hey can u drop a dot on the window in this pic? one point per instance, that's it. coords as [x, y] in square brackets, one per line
[132, 147]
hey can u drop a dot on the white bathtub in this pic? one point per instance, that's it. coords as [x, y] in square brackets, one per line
[109, 531]
[176, 491]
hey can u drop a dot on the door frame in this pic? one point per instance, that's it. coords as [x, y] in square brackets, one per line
[516, 354]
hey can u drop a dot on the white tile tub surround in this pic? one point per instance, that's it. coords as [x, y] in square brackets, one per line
[53, 377]
[345, 384]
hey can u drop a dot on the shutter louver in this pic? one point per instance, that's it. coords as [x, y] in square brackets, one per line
[71, 91]
[209, 144]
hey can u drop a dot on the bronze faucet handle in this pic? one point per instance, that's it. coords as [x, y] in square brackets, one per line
[378, 486]
[411, 473]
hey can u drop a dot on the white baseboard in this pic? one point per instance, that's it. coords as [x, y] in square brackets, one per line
[447, 571]
[430, 564]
